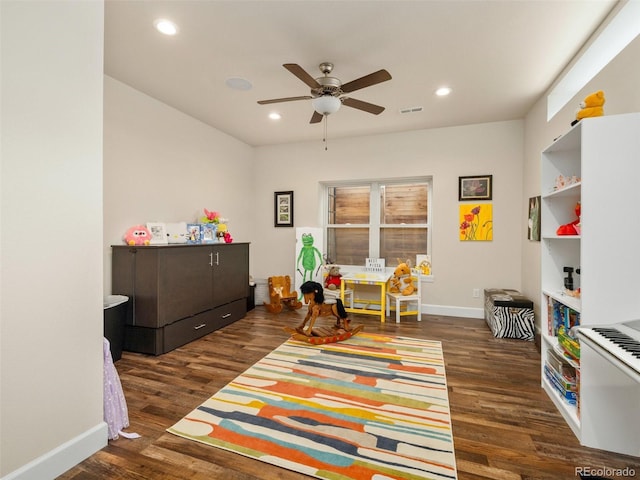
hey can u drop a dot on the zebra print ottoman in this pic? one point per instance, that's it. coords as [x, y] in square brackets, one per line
[509, 314]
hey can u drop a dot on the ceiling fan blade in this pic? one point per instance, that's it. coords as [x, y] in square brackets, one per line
[366, 81]
[316, 117]
[301, 73]
[287, 99]
[360, 105]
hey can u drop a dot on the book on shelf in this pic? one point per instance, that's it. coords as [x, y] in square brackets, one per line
[560, 315]
[569, 396]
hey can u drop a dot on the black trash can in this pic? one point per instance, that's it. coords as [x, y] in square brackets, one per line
[251, 299]
[115, 316]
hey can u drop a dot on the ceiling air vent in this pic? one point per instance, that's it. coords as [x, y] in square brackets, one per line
[411, 110]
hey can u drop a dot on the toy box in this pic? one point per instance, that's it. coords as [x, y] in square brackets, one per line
[509, 314]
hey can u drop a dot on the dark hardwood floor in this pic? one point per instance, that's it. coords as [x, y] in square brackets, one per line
[504, 426]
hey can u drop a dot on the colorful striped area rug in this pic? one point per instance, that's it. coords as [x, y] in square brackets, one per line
[371, 407]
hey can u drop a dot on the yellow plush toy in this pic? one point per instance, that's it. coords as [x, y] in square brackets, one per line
[591, 106]
[402, 279]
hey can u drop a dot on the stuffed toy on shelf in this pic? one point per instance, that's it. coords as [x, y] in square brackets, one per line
[591, 106]
[572, 228]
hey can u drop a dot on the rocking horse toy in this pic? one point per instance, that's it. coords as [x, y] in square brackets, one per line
[307, 332]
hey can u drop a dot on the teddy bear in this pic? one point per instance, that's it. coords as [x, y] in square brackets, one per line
[401, 280]
[591, 106]
[332, 282]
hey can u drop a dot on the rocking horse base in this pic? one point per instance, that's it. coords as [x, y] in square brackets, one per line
[322, 336]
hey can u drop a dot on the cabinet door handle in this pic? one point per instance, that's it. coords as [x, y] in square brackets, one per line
[198, 327]
[226, 315]
[217, 258]
[211, 259]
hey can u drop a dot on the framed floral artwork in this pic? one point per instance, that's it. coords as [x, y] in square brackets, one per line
[283, 209]
[479, 187]
[476, 222]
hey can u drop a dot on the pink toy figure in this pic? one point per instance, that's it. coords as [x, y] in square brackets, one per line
[137, 235]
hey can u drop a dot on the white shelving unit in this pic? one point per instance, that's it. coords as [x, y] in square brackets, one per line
[604, 154]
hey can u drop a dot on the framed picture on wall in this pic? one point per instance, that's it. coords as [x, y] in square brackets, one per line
[283, 209]
[533, 229]
[478, 187]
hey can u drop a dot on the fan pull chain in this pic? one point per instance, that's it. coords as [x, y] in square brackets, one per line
[325, 132]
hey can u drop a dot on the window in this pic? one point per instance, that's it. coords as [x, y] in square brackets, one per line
[380, 219]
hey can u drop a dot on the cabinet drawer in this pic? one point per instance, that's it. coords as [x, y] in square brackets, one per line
[184, 331]
[230, 312]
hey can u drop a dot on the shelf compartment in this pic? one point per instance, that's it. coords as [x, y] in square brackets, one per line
[573, 190]
[571, 302]
[569, 412]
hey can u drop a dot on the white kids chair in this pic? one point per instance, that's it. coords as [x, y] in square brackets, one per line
[412, 302]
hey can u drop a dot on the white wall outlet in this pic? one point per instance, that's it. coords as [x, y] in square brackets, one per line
[476, 293]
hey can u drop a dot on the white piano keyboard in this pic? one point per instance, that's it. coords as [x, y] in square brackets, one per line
[621, 340]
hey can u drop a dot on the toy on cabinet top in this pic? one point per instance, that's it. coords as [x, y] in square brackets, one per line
[177, 232]
[223, 233]
[591, 106]
[137, 235]
[222, 230]
[401, 280]
[332, 282]
[210, 217]
[572, 228]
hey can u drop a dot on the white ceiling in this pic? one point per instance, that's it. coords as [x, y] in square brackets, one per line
[499, 57]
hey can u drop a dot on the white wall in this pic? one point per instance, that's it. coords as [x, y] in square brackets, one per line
[51, 237]
[51, 242]
[161, 165]
[447, 153]
[164, 166]
[620, 81]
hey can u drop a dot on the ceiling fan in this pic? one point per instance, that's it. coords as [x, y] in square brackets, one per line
[326, 91]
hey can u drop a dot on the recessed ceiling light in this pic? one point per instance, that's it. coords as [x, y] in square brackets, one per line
[274, 116]
[238, 83]
[166, 26]
[443, 91]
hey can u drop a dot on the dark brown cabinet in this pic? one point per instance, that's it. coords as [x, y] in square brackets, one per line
[179, 292]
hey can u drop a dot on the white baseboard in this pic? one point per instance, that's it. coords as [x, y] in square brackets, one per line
[62, 458]
[453, 311]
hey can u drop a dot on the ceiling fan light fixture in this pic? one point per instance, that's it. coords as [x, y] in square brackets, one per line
[326, 104]
[166, 26]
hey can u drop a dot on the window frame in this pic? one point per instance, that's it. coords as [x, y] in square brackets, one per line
[375, 225]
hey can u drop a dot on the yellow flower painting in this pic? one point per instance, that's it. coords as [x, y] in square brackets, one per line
[476, 222]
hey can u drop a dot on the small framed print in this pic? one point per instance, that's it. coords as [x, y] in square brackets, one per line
[479, 187]
[283, 209]
[194, 233]
[158, 233]
[208, 233]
